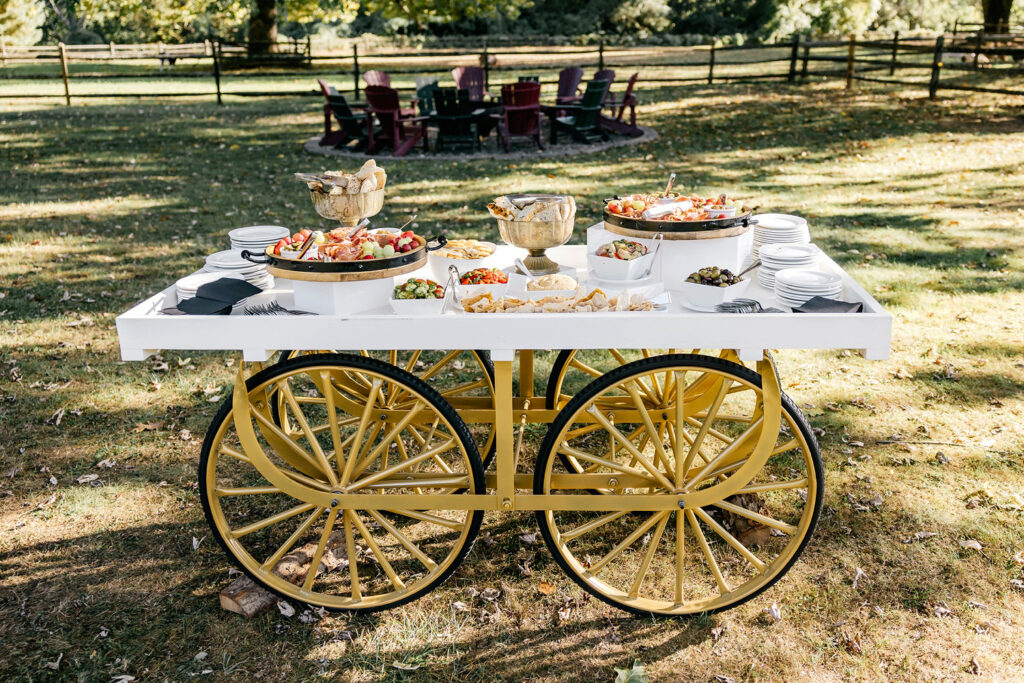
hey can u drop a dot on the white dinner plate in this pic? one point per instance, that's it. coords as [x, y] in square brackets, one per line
[803, 278]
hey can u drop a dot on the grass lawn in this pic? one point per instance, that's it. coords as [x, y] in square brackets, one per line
[101, 205]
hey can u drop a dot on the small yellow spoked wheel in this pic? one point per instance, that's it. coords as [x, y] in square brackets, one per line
[746, 525]
[271, 494]
[464, 378]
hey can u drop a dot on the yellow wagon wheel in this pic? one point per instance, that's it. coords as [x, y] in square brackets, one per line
[749, 467]
[270, 495]
[464, 378]
[570, 371]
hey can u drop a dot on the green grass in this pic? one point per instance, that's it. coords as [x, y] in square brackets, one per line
[101, 205]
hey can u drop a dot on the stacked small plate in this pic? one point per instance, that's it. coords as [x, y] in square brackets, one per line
[779, 228]
[257, 237]
[230, 261]
[776, 257]
[794, 286]
[186, 287]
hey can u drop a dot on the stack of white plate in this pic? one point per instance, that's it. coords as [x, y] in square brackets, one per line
[186, 287]
[230, 261]
[776, 257]
[257, 237]
[779, 228]
[794, 286]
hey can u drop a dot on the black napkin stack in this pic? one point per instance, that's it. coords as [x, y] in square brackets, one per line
[820, 304]
[215, 298]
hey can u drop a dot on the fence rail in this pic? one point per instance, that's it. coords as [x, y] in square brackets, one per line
[865, 60]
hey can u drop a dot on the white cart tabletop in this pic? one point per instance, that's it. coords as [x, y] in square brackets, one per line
[143, 330]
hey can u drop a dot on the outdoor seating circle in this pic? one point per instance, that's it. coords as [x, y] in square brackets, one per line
[444, 121]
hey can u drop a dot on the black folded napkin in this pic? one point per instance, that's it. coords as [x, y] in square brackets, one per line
[820, 304]
[217, 297]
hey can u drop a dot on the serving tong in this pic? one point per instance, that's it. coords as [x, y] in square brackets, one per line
[324, 182]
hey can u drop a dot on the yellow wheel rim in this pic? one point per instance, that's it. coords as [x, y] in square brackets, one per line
[265, 488]
[705, 558]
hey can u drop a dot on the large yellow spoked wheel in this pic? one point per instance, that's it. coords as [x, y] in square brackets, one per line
[751, 469]
[464, 378]
[572, 369]
[271, 494]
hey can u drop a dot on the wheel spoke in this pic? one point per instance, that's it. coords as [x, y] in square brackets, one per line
[598, 460]
[237, 455]
[653, 432]
[273, 519]
[580, 365]
[385, 443]
[652, 548]
[410, 364]
[225, 492]
[785, 528]
[699, 439]
[591, 525]
[730, 539]
[350, 549]
[398, 467]
[733, 449]
[289, 442]
[627, 541]
[427, 517]
[272, 561]
[377, 552]
[644, 462]
[314, 564]
[465, 387]
[774, 486]
[401, 538]
[680, 431]
[723, 587]
[357, 443]
[314, 443]
[680, 555]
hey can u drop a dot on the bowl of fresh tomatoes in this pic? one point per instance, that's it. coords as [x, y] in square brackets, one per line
[480, 280]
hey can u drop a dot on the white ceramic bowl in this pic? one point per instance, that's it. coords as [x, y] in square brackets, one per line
[706, 296]
[439, 265]
[722, 212]
[417, 306]
[465, 291]
[609, 268]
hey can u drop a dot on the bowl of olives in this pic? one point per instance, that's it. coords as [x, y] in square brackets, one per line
[712, 285]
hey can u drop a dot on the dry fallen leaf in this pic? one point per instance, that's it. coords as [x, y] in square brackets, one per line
[285, 608]
[851, 643]
[459, 606]
[970, 544]
[196, 542]
[974, 667]
[490, 594]
[857, 576]
[106, 463]
[774, 612]
[545, 588]
[402, 666]
[528, 539]
[55, 664]
[87, 478]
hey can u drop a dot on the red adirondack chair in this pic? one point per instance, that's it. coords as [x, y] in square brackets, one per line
[471, 78]
[377, 78]
[520, 117]
[628, 100]
[569, 85]
[397, 128]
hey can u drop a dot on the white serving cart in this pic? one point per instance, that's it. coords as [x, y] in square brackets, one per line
[669, 483]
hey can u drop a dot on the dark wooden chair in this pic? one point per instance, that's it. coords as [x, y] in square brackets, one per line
[377, 78]
[569, 84]
[605, 75]
[396, 127]
[425, 98]
[472, 78]
[456, 119]
[520, 116]
[529, 79]
[628, 100]
[351, 125]
[582, 121]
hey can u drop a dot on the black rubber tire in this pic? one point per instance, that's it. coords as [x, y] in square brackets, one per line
[483, 356]
[551, 393]
[398, 374]
[646, 365]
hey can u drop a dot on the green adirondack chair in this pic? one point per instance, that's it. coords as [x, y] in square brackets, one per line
[583, 121]
[456, 123]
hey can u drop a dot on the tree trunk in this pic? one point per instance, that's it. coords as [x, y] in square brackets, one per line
[263, 27]
[997, 15]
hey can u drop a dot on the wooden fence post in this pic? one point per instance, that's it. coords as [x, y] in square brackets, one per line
[216, 69]
[850, 56]
[793, 54]
[711, 63]
[355, 69]
[895, 50]
[309, 50]
[977, 50]
[956, 27]
[64, 72]
[933, 85]
[807, 57]
[112, 48]
[600, 54]
[3, 51]
[487, 66]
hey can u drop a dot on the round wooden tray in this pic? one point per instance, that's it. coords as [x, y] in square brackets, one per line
[731, 231]
[319, 276]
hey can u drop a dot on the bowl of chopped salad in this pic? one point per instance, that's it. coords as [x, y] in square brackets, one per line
[481, 280]
[621, 259]
[418, 296]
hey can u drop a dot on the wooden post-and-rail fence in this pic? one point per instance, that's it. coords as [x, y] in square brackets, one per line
[874, 60]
